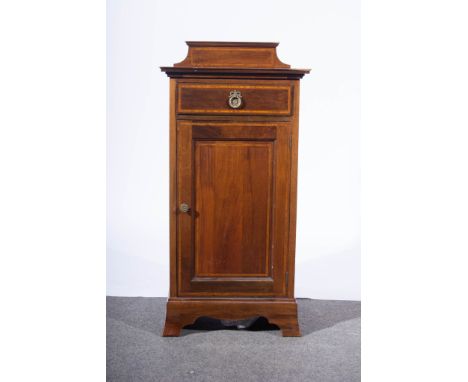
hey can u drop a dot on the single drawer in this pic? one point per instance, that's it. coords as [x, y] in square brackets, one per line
[234, 98]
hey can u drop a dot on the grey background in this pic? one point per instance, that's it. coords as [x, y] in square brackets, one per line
[329, 349]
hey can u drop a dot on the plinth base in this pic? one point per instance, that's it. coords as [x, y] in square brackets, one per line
[181, 312]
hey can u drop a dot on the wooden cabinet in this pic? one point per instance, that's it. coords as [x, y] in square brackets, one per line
[234, 130]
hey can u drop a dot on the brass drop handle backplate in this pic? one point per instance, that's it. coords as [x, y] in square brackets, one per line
[184, 207]
[235, 99]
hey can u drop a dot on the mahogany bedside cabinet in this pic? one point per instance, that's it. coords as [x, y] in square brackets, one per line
[234, 114]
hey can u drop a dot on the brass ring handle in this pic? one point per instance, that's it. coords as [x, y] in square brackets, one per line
[235, 99]
[184, 207]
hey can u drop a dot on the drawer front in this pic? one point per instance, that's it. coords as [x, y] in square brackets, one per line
[234, 98]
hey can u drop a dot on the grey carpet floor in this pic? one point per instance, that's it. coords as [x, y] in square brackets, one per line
[329, 349]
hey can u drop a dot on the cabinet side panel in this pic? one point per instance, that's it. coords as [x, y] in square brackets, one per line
[293, 192]
[172, 189]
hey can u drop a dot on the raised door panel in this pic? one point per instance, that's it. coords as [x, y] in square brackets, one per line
[235, 178]
[233, 182]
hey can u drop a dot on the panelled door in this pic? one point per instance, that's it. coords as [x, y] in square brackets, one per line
[233, 186]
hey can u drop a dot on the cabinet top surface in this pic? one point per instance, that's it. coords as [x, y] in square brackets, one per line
[214, 59]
